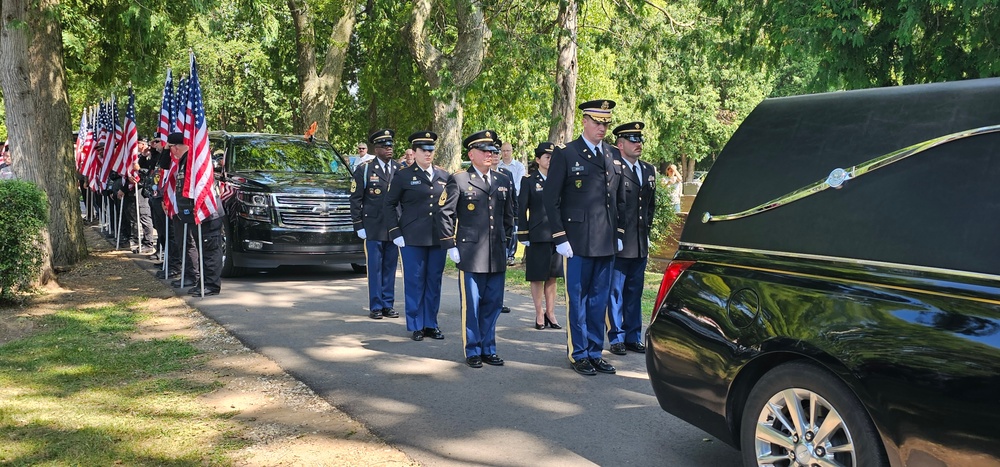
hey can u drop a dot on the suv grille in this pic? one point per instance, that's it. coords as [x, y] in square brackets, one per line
[332, 213]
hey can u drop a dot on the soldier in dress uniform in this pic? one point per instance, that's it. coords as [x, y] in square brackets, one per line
[368, 190]
[581, 203]
[636, 206]
[476, 221]
[415, 197]
[542, 265]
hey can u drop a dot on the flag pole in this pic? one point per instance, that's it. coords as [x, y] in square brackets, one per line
[118, 229]
[166, 245]
[184, 240]
[138, 221]
[201, 261]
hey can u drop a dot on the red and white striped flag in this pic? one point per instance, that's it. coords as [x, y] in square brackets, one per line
[199, 175]
[168, 187]
[163, 129]
[111, 137]
[86, 145]
[81, 136]
[129, 145]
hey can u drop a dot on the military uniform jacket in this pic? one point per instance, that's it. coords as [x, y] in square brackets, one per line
[478, 220]
[512, 186]
[413, 203]
[636, 206]
[368, 190]
[581, 198]
[533, 220]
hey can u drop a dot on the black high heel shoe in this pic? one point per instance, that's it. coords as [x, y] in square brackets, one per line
[539, 326]
[551, 324]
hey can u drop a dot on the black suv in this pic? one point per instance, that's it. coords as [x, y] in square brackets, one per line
[286, 200]
[835, 299]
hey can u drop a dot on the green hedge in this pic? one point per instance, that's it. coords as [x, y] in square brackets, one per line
[665, 215]
[23, 215]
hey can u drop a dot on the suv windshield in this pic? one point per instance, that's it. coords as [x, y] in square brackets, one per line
[285, 155]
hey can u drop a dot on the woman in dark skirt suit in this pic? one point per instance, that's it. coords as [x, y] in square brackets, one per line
[542, 264]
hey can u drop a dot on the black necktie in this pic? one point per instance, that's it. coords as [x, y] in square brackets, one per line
[635, 170]
[487, 179]
[597, 150]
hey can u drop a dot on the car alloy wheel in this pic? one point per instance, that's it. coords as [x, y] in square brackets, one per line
[800, 415]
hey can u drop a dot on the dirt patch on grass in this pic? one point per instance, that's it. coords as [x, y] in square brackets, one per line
[282, 420]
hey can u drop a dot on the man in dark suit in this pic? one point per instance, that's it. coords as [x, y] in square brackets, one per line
[636, 207]
[581, 202]
[368, 190]
[415, 197]
[476, 221]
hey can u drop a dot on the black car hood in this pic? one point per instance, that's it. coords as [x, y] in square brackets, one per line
[293, 182]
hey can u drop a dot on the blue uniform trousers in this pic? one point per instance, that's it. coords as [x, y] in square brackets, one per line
[588, 286]
[482, 298]
[423, 267]
[625, 306]
[381, 259]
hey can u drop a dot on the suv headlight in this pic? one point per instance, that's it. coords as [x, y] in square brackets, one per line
[256, 206]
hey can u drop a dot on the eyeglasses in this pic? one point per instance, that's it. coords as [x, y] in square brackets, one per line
[361, 148]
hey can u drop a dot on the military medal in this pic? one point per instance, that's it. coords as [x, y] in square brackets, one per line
[579, 183]
[472, 207]
[378, 191]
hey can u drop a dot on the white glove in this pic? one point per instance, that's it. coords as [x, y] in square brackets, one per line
[525, 243]
[565, 250]
[362, 234]
[621, 246]
[453, 254]
[399, 241]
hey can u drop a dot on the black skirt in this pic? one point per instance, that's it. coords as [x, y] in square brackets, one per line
[541, 262]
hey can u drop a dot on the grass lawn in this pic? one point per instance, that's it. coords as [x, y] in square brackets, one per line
[80, 391]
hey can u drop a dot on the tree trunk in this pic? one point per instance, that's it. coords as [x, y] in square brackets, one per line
[563, 103]
[319, 88]
[459, 69]
[38, 121]
[448, 119]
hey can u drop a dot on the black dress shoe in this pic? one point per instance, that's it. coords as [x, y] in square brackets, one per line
[602, 366]
[505, 309]
[375, 314]
[172, 275]
[618, 349]
[492, 359]
[474, 362]
[417, 336]
[637, 347]
[196, 291]
[187, 283]
[539, 326]
[552, 323]
[584, 367]
[390, 313]
[433, 333]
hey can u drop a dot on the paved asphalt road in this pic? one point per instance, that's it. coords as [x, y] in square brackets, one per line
[423, 399]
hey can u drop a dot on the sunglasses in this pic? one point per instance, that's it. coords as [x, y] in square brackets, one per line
[634, 139]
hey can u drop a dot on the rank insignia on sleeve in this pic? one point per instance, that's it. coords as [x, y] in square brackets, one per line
[441, 200]
[354, 186]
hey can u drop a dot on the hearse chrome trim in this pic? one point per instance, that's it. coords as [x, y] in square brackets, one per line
[841, 259]
[861, 262]
[838, 176]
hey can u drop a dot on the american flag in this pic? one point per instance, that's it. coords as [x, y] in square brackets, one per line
[94, 163]
[86, 145]
[180, 105]
[117, 155]
[112, 133]
[81, 136]
[166, 107]
[199, 174]
[169, 189]
[129, 143]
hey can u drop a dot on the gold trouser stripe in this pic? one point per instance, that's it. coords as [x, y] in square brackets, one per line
[368, 274]
[461, 297]
[569, 324]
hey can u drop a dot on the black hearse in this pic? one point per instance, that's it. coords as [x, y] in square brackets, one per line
[836, 296]
[286, 200]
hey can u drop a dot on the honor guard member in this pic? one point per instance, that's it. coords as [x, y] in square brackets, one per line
[542, 265]
[476, 221]
[368, 190]
[636, 206]
[581, 203]
[211, 229]
[412, 205]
